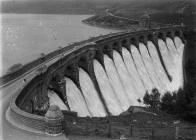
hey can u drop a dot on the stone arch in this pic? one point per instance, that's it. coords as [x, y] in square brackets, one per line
[143, 39]
[150, 37]
[107, 49]
[134, 41]
[170, 35]
[99, 56]
[87, 65]
[181, 35]
[124, 43]
[162, 36]
[177, 33]
[116, 46]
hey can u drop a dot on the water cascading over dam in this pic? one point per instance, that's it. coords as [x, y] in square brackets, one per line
[125, 78]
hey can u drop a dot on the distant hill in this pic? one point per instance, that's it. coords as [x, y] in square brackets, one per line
[161, 11]
[94, 6]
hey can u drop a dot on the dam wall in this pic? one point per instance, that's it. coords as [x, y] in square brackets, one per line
[83, 66]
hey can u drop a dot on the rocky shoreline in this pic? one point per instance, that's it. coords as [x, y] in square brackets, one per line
[110, 22]
[101, 26]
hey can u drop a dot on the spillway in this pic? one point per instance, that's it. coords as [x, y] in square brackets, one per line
[116, 82]
[125, 78]
[91, 96]
[177, 69]
[148, 65]
[172, 48]
[75, 99]
[163, 79]
[141, 68]
[165, 55]
[136, 79]
[111, 99]
[54, 99]
[179, 44]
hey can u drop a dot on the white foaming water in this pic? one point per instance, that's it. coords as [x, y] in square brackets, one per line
[173, 62]
[179, 44]
[141, 68]
[165, 55]
[136, 79]
[116, 82]
[54, 99]
[28, 35]
[105, 87]
[125, 78]
[171, 46]
[163, 79]
[91, 96]
[177, 71]
[75, 99]
[148, 64]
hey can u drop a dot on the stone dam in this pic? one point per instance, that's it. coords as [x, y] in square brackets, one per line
[105, 76]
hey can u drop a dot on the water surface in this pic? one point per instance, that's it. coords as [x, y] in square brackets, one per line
[26, 36]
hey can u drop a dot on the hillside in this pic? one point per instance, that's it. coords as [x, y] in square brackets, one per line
[94, 6]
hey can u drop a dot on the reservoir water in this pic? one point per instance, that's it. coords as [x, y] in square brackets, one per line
[26, 36]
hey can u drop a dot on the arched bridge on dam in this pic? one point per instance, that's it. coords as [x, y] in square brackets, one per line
[108, 75]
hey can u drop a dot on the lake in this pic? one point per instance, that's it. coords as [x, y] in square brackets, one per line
[26, 36]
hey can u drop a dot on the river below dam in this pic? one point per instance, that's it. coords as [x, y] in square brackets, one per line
[26, 36]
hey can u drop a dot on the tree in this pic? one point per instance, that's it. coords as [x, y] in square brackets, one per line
[168, 102]
[153, 99]
[146, 98]
[181, 103]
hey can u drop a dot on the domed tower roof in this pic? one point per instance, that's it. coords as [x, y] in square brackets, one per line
[145, 16]
[54, 112]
